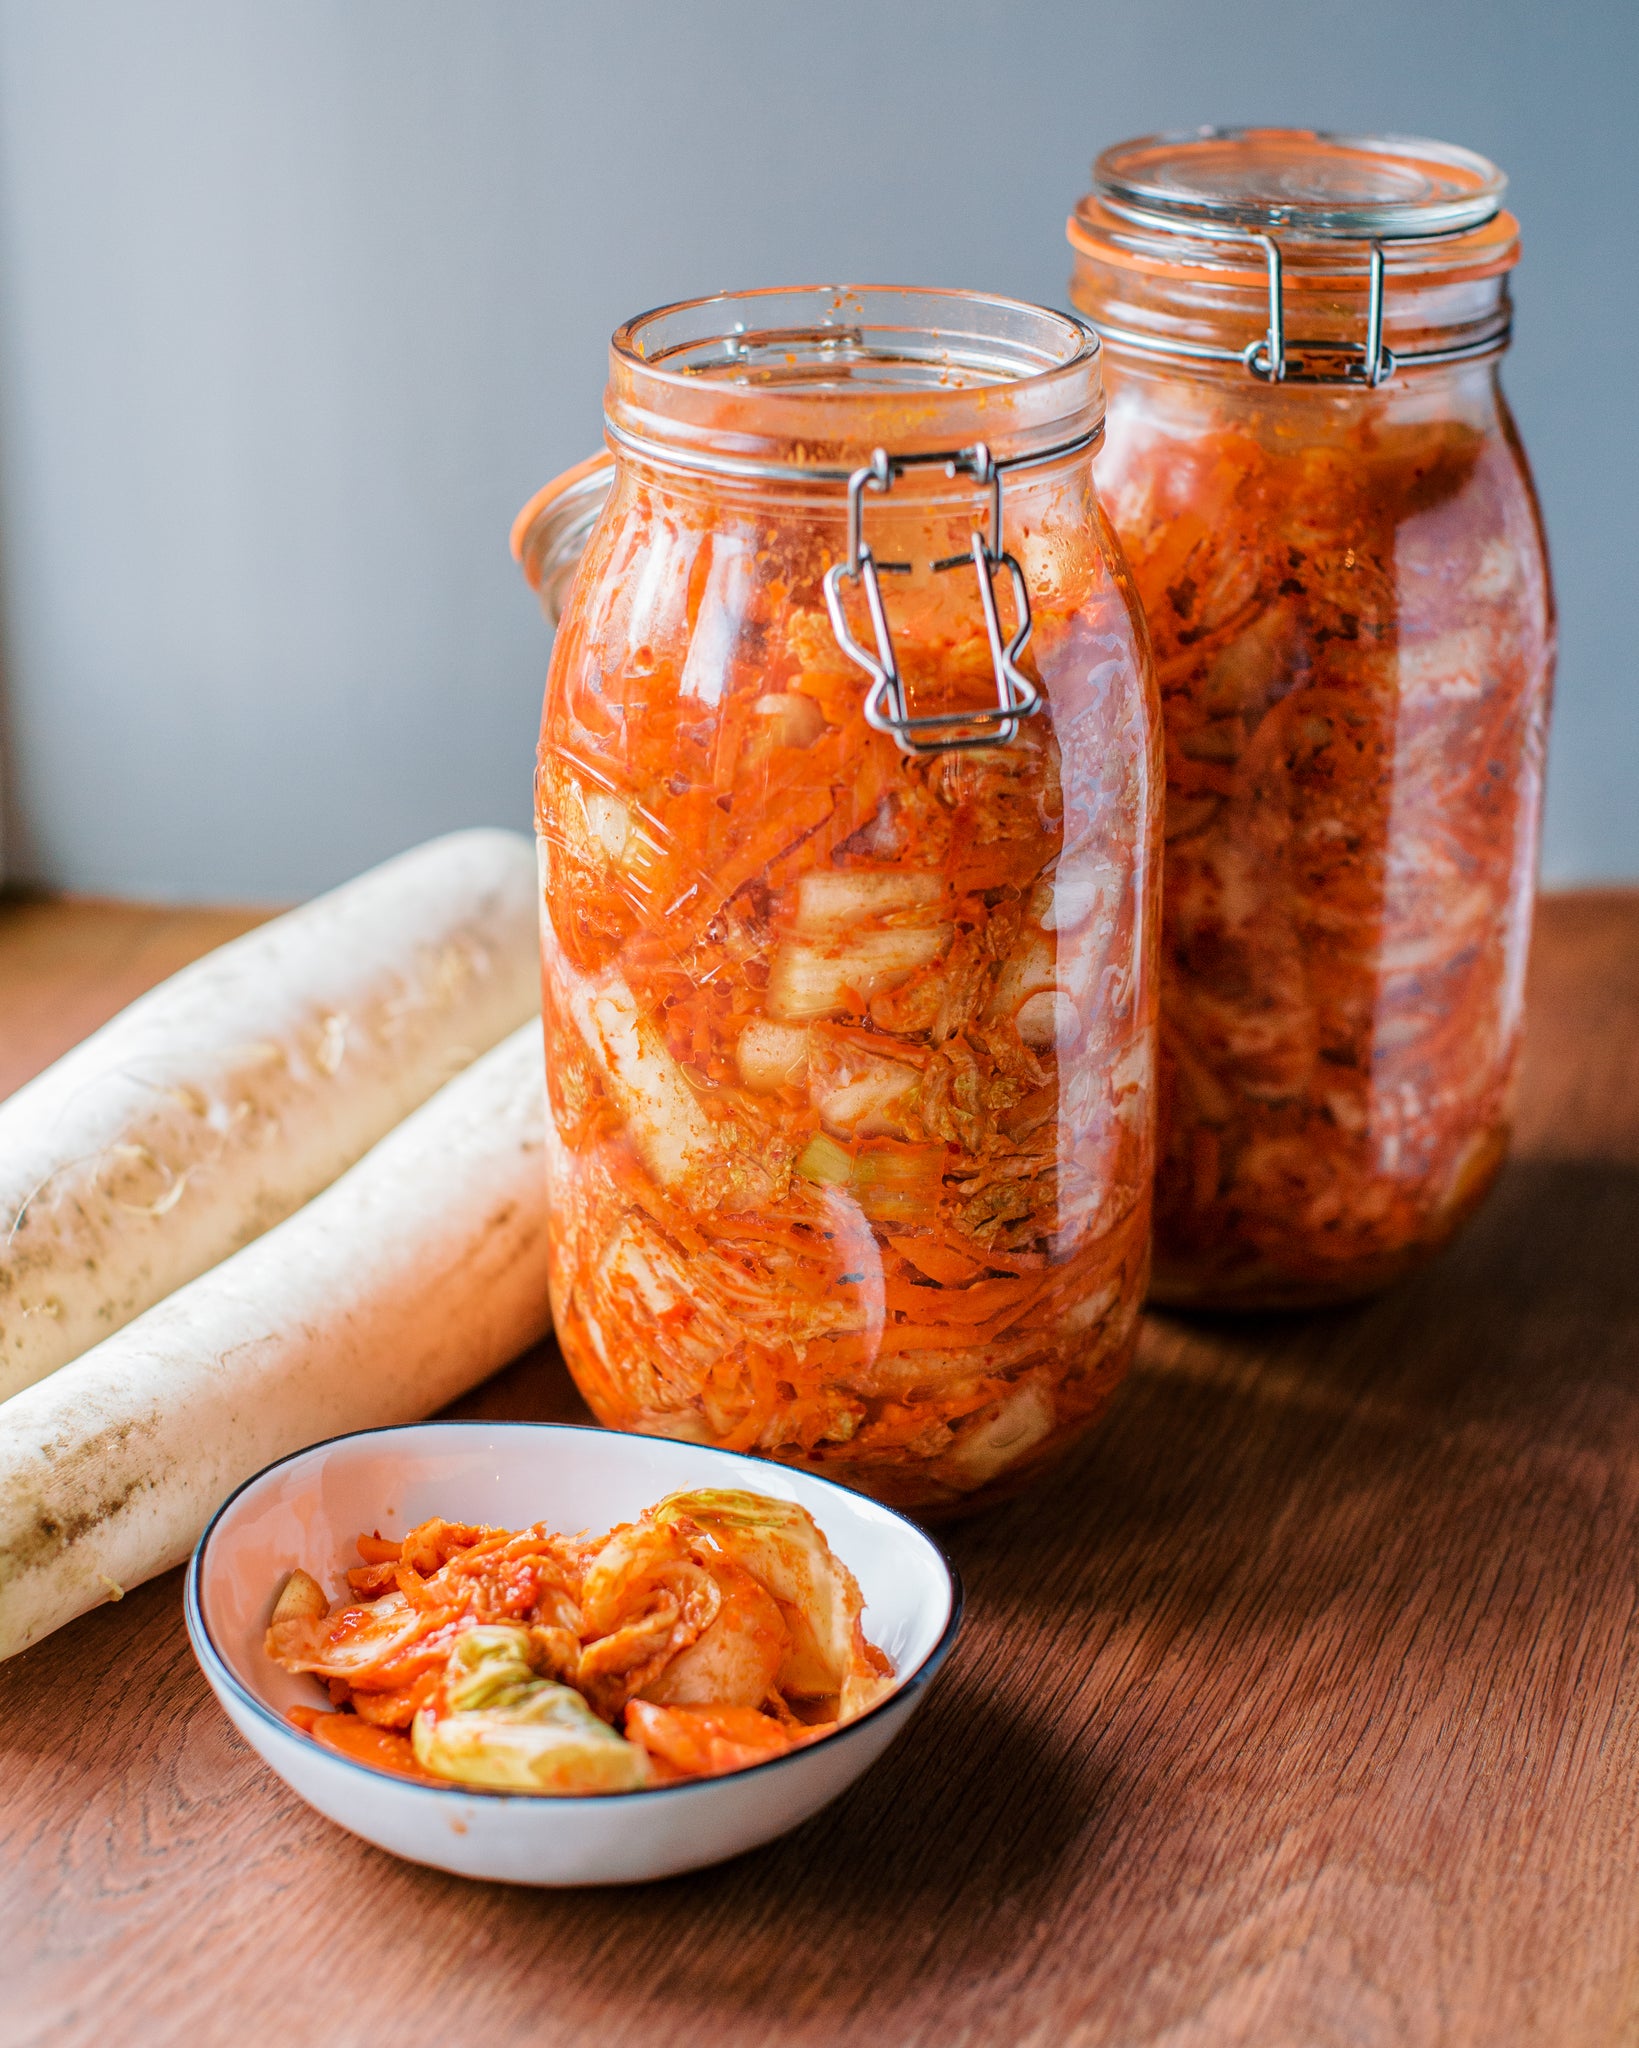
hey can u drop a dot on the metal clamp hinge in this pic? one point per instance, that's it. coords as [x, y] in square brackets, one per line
[1278, 362]
[1275, 359]
[886, 708]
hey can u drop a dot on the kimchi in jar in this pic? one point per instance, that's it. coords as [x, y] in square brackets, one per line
[1331, 523]
[848, 804]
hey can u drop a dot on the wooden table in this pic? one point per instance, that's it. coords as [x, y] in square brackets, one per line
[1303, 1708]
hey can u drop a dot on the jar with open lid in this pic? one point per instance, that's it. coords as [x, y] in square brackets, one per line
[848, 805]
[1330, 520]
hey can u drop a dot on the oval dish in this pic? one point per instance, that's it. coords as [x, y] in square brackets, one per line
[308, 1508]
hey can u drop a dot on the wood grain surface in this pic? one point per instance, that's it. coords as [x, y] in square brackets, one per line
[1302, 1708]
[66, 967]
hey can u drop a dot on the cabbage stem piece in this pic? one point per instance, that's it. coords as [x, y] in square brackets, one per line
[784, 718]
[494, 1722]
[822, 1159]
[1005, 1436]
[872, 1104]
[672, 1133]
[771, 1056]
[811, 979]
[892, 1183]
[667, 1614]
[833, 900]
[897, 1183]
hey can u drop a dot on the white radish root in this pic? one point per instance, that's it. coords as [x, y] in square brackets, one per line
[421, 1271]
[225, 1098]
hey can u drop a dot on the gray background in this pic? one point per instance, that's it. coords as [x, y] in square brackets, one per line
[300, 299]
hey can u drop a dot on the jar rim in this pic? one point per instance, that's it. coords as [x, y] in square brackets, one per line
[1003, 340]
[1304, 184]
[811, 379]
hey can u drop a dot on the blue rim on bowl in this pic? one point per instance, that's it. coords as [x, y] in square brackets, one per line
[221, 1671]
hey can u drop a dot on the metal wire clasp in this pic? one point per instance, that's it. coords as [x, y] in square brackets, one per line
[885, 704]
[1270, 358]
[1276, 358]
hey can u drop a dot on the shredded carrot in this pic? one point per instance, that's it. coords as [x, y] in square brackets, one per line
[938, 1260]
[883, 1118]
[1353, 635]
[597, 1615]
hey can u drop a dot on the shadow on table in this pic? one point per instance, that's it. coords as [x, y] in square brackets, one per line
[1260, 1482]
[1281, 1536]
[946, 1859]
[1295, 1545]
[963, 1824]
[1524, 1333]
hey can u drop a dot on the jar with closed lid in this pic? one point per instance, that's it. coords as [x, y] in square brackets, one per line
[1330, 520]
[848, 801]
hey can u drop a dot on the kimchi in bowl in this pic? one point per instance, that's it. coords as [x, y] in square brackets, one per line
[313, 1505]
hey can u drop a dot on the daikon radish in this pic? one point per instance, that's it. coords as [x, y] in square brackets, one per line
[420, 1271]
[222, 1100]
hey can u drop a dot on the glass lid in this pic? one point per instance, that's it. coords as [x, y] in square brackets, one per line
[1300, 183]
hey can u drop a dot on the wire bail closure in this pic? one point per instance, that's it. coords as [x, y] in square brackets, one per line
[1274, 359]
[1368, 363]
[886, 708]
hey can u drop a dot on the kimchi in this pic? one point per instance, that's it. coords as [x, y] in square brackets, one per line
[715, 1632]
[849, 1048]
[1347, 594]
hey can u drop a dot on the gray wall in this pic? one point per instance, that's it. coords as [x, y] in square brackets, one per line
[299, 299]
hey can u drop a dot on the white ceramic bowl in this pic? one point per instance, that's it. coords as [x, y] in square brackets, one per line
[308, 1509]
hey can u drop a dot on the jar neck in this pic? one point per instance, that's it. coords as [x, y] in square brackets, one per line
[1195, 398]
[1306, 312]
[804, 386]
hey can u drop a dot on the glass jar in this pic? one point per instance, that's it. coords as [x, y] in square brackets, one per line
[1331, 523]
[848, 809]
